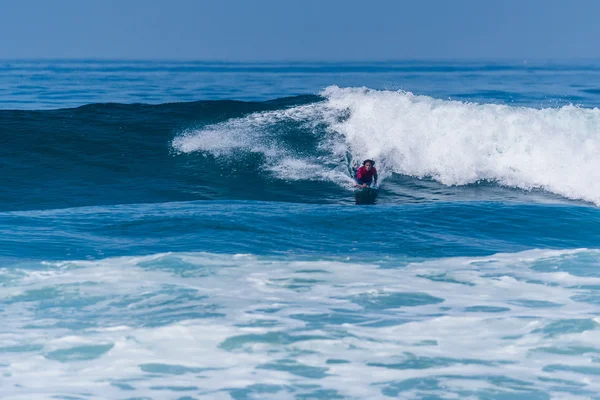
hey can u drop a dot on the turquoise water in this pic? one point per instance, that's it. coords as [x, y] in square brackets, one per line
[188, 231]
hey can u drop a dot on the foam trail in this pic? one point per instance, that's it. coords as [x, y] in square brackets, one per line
[264, 133]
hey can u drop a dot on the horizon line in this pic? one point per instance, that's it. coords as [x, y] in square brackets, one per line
[306, 61]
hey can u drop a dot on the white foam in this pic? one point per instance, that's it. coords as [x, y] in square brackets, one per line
[267, 297]
[459, 143]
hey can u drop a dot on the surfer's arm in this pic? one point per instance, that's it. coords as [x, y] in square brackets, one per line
[357, 183]
[357, 177]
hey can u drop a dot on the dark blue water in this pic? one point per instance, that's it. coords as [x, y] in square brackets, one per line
[188, 230]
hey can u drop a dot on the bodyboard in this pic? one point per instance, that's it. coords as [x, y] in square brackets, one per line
[366, 195]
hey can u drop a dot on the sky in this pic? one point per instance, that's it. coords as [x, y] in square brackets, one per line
[300, 30]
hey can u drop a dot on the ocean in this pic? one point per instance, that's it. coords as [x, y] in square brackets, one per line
[187, 230]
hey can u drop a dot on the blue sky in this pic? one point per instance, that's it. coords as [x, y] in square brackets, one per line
[327, 30]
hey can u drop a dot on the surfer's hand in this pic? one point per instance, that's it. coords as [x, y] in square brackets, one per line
[364, 185]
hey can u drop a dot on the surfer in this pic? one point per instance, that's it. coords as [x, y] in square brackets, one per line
[366, 174]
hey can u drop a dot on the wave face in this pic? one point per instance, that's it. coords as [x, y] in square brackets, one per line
[297, 149]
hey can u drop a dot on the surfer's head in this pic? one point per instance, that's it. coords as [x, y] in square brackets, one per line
[368, 164]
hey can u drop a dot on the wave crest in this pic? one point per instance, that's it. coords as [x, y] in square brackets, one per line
[453, 142]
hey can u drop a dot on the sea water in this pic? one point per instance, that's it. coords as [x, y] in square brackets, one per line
[187, 230]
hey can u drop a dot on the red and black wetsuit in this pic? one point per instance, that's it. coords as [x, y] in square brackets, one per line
[364, 176]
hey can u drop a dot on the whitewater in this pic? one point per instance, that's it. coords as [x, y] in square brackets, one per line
[187, 230]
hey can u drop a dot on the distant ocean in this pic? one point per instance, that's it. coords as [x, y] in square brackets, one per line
[187, 230]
